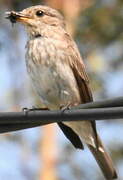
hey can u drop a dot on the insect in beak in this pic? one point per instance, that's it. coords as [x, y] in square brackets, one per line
[17, 17]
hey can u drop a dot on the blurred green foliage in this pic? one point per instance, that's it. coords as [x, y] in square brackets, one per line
[101, 24]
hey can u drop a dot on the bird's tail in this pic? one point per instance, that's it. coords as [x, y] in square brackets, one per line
[104, 161]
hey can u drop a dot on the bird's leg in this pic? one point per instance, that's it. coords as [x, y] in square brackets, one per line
[65, 107]
[68, 106]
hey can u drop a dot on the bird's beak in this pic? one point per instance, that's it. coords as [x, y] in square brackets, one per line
[17, 17]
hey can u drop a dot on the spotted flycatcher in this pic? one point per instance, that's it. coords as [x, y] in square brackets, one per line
[58, 76]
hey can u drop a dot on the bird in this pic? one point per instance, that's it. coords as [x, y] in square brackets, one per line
[58, 76]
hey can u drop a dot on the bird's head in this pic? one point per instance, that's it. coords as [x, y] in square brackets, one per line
[38, 19]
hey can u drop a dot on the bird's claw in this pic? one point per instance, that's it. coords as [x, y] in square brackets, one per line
[63, 108]
[26, 110]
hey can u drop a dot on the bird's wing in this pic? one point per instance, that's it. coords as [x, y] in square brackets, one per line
[71, 135]
[75, 61]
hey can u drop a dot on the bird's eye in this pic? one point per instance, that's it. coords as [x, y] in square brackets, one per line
[39, 13]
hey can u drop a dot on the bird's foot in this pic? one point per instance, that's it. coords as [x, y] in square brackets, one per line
[65, 107]
[26, 110]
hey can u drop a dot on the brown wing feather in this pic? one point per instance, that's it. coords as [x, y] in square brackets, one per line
[71, 135]
[80, 74]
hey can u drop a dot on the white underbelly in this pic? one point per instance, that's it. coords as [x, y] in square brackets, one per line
[55, 86]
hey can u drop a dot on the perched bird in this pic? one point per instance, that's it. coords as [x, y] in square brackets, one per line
[59, 77]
